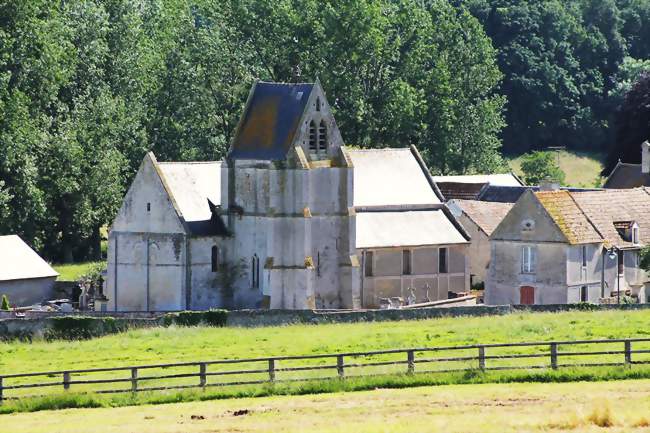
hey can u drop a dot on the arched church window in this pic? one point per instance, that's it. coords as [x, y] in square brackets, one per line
[322, 136]
[317, 104]
[215, 259]
[313, 137]
[255, 271]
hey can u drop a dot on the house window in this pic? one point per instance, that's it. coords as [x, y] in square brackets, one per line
[635, 235]
[621, 263]
[148, 207]
[322, 137]
[255, 271]
[584, 256]
[442, 261]
[313, 137]
[584, 294]
[215, 259]
[368, 264]
[528, 259]
[406, 262]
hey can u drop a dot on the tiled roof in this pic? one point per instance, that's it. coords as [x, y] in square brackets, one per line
[19, 261]
[568, 216]
[627, 176]
[500, 179]
[485, 215]
[605, 208]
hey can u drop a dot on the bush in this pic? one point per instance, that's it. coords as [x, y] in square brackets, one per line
[196, 318]
[539, 166]
[5, 303]
[82, 328]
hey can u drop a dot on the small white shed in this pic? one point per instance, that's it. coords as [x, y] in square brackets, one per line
[25, 277]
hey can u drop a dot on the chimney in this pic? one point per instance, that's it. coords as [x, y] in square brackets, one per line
[549, 185]
[645, 157]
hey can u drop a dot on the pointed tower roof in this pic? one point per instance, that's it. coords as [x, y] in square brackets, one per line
[270, 120]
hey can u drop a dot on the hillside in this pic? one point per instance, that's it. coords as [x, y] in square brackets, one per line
[582, 169]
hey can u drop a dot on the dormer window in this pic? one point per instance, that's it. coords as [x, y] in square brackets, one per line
[635, 234]
[322, 137]
[313, 137]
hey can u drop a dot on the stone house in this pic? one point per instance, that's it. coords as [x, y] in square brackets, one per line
[290, 219]
[557, 247]
[479, 218]
[25, 277]
[626, 175]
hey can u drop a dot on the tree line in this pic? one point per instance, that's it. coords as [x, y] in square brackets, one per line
[86, 88]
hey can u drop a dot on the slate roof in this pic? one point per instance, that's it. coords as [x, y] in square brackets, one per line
[510, 194]
[19, 262]
[625, 176]
[569, 217]
[389, 177]
[606, 208]
[485, 215]
[196, 189]
[270, 120]
[461, 190]
[499, 179]
[408, 228]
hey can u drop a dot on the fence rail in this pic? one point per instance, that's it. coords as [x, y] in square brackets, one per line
[277, 369]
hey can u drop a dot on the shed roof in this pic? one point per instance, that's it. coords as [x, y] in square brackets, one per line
[626, 175]
[486, 215]
[193, 186]
[499, 179]
[386, 229]
[568, 216]
[461, 190]
[389, 177]
[270, 120]
[19, 262]
[607, 208]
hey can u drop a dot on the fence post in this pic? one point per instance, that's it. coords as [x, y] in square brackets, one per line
[410, 357]
[1, 397]
[203, 368]
[628, 353]
[134, 379]
[272, 370]
[340, 365]
[554, 356]
[66, 380]
[481, 358]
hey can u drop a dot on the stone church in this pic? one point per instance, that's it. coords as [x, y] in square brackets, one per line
[291, 219]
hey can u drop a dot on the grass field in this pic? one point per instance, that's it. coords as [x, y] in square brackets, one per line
[582, 169]
[73, 271]
[171, 345]
[582, 407]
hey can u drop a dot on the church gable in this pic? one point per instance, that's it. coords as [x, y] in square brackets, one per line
[147, 206]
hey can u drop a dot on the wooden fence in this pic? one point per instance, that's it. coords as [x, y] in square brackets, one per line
[255, 371]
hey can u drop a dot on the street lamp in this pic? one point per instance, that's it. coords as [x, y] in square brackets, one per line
[613, 255]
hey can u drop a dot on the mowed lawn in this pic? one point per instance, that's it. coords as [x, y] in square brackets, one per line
[582, 169]
[493, 408]
[177, 344]
[74, 271]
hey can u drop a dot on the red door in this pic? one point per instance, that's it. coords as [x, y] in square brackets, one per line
[526, 295]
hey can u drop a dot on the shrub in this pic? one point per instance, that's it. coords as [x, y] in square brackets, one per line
[195, 318]
[5, 303]
[81, 328]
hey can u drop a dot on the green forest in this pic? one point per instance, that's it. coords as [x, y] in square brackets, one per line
[87, 87]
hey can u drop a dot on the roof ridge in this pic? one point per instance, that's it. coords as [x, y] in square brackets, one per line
[190, 162]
